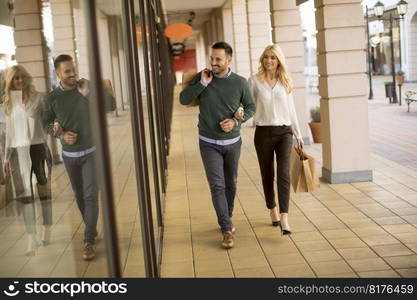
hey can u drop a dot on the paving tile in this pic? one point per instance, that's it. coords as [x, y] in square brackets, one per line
[379, 274]
[402, 262]
[400, 228]
[412, 246]
[307, 236]
[331, 267]
[344, 275]
[408, 273]
[177, 269]
[285, 259]
[294, 271]
[368, 264]
[392, 250]
[347, 243]
[376, 240]
[212, 265]
[259, 272]
[357, 253]
[405, 211]
[216, 274]
[321, 256]
[406, 237]
[314, 245]
[248, 262]
[369, 231]
[338, 234]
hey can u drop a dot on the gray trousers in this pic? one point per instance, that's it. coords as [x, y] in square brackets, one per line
[81, 173]
[221, 165]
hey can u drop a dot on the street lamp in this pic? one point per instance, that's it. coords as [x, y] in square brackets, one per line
[379, 9]
[402, 8]
[379, 12]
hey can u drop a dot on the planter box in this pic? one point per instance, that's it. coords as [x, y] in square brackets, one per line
[315, 131]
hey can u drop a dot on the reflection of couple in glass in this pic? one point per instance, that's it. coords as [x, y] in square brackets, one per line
[66, 115]
[26, 152]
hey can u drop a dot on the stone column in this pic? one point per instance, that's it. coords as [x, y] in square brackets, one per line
[343, 91]
[410, 41]
[29, 41]
[228, 25]
[259, 25]
[287, 33]
[241, 39]
[63, 26]
[81, 40]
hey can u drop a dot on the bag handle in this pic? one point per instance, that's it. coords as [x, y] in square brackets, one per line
[300, 153]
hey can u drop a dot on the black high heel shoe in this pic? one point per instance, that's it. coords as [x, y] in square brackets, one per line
[284, 231]
[274, 223]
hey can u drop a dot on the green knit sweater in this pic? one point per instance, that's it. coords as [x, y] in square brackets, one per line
[70, 109]
[219, 101]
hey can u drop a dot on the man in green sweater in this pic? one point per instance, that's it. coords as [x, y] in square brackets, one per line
[222, 94]
[66, 115]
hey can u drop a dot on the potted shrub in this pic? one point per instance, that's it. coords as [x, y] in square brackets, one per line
[315, 124]
[400, 77]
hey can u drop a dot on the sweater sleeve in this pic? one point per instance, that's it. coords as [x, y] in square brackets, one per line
[192, 91]
[293, 117]
[48, 115]
[247, 101]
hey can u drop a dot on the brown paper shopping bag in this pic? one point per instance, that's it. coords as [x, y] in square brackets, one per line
[186, 80]
[303, 173]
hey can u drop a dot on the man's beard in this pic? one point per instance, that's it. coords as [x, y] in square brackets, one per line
[70, 81]
[219, 69]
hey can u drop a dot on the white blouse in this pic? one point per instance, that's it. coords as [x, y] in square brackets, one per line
[274, 107]
[24, 124]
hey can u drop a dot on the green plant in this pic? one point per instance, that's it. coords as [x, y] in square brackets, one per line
[315, 114]
[400, 73]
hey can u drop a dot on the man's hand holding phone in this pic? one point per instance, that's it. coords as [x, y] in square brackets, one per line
[206, 76]
[83, 86]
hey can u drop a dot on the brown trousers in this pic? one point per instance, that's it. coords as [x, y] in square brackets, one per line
[278, 140]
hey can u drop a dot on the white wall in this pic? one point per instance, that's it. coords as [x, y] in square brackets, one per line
[410, 33]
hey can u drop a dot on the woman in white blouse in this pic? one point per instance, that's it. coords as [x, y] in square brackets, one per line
[276, 123]
[26, 151]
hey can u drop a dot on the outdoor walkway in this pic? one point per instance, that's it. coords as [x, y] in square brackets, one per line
[393, 129]
[364, 229]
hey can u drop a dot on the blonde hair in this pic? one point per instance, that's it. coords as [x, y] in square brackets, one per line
[28, 92]
[282, 71]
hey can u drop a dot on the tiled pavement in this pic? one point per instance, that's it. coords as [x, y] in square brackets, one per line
[364, 229]
[393, 129]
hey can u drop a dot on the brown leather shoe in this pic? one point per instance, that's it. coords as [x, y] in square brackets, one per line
[88, 252]
[228, 240]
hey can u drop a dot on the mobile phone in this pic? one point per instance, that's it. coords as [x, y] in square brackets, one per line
[209, 72]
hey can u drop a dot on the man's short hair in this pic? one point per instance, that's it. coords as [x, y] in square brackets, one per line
[223, 45]
[61, 58]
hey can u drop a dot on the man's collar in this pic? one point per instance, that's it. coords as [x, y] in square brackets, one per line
[227, 75]
[63, 89]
